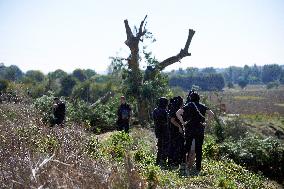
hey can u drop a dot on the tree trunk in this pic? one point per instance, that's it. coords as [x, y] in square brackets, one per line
[133, 62]
[142, 112]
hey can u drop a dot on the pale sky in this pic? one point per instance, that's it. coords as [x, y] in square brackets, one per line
[67, 34]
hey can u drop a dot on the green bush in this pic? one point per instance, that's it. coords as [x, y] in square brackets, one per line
[44, 105]
[78, 111]
[235, 128]
[93, 147]
[211, 149]
[230, 85]
[219, 131]
[3, 85]
[273, 84]
[99, 117]
[47, 144]
[265, 155]
[38, 142]
[226, 183]
[118, 144]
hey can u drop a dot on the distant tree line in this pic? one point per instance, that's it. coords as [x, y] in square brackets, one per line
[215, 79]
[205, 82]
[84, 84]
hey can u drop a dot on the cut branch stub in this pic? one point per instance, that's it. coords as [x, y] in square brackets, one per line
[128, 33]
[189, 38]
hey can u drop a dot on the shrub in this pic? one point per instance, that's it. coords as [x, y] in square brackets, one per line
[93, 147]
[3, 85]
[265, 155]
[242, 82]
[44, 105]
[230, 85]
[235, 128]
[118, 144]
[211, 149]
[100, 117]
[273, 84]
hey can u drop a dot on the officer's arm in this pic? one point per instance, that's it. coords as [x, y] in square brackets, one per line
[210, 114]
[179, 116]
[173, 121]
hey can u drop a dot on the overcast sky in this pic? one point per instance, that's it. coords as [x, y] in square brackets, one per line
[69, 34]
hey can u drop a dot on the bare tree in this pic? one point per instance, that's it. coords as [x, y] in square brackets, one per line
[135, 73]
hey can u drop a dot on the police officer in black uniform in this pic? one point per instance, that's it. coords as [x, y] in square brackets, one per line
[123, 115]
[176, 133]
[192, 116]
[59, 110]
[160, 116]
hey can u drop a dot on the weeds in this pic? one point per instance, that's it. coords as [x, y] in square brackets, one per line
[35, 156]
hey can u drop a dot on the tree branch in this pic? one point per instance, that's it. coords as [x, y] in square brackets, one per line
[128, 33]
[183, 53]
[141, 32]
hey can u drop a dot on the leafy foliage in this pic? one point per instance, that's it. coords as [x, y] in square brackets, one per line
[271, 73]
[274, 84]
[242, 82]
[44, 106]
[67, 85]
[265, 155]
[3, 85]
[98, 117]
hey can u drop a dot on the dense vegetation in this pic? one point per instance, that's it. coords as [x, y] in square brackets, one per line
[35, 155]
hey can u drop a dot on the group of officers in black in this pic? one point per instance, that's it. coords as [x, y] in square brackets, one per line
[179, 128]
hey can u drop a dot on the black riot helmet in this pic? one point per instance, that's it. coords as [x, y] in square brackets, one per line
[194, 97]
[188, 99]
[163, 102]
[178, 101]
[175, 103]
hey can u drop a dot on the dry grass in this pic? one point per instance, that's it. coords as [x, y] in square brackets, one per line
[248, 98]
[254, 100]
[67, 165]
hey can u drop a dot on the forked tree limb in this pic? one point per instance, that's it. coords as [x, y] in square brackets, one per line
[183, 53]
[132, 41]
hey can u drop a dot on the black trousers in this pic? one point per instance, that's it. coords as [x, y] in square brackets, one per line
[123, 127]
[176, 151]
[199, 138]
[56, 120]
[163, 150]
